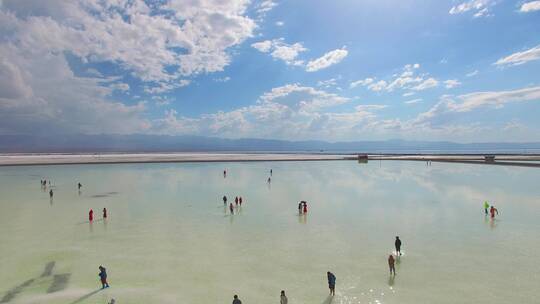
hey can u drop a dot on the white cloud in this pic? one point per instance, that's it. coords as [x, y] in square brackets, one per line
[332, 82]
[520, 57]
[180, 38]
[408, 94]
[451, 83]
[496, 99]
[223, 79]
[413, 101]
[361, 82]
[479, 7]
[473, 73]
[290, 111]
[163, 87]
[120, 86]
[328, 59]
[449, 107]
[265, 6]
[280, 50]
[48, 99]
[426, 84]
[530, 6]
[280, 23]
[378, 86]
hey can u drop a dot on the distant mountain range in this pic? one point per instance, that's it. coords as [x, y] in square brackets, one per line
[164, 143]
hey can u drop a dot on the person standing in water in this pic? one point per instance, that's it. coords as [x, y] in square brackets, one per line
[269, 180]
[236, 300]
[391, 264]
[51, 193]
[224, 173]
[270, 172]
[397, 243]
[236, 201]
[493, 210]
[79, 186]
[240, 200]
[305, 206]
[91, 215]
[231, 208]
[103, 277]
[224, 200]
[331, 282]
[486, 207]
[104, 213]
[300, 208]
[283, 298]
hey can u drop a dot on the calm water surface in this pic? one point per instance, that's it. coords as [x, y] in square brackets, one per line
[169, 238]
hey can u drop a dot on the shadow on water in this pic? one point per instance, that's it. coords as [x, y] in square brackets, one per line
[328, 300]
[12, 293]
[60, 282]
[48, 269]
[104, 194]
[86, 296]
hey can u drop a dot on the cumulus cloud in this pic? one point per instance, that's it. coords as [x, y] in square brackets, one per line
[156, 43]
[278, 49]
[290, 111]
[161, 44]
[326, 60]
[408, 79]
[479, 7]
[530, 6]
[520, 57]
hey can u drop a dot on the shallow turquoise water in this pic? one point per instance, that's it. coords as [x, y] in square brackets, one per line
[169, 238]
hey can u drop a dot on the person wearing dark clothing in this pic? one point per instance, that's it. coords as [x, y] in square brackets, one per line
[236, 300]
[224, 200]
[224, 173]
[103, 277]
[231, 208]
[79, 185]
[331, 282]
[236, 200]
[397, 243]
[51, 193]
[300, 208]
[240, 200]
[104, 213]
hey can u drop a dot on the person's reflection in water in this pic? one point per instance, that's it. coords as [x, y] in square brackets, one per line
[492, 224]
[90, 227]
[304, 218]
[79, 192]
[51, 201]
[391, 280]
[105, 224]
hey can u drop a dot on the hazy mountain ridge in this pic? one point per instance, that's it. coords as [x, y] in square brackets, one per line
[164, 143]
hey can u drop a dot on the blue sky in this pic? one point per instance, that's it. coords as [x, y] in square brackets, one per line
[333, 70]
